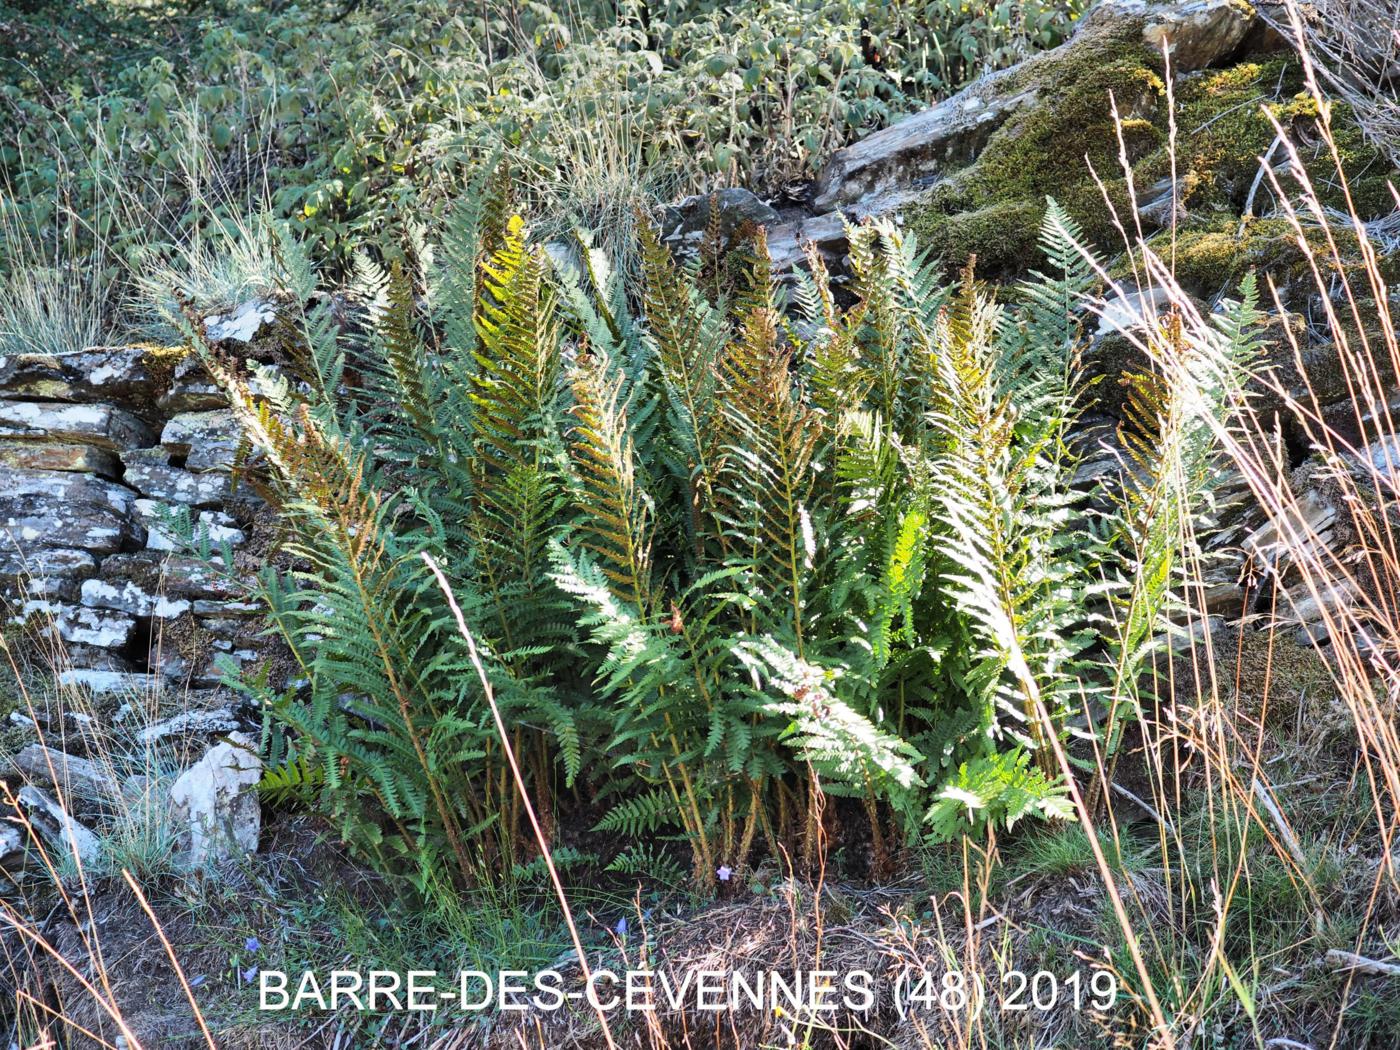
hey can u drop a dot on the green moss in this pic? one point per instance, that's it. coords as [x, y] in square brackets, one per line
[1216, 258]
[1213, 256]
[1001, 236]
[1369, 171]
[162, 360]
[158, 354]
[994, 208]
[1224, 122]
[1222, 130]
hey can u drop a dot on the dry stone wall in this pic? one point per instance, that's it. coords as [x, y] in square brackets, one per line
[97, 449]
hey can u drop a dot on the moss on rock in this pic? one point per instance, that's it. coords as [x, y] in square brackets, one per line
[1000, 235]
[1068, 145]
[1213, 257]
[162, 360]
[993, 208]
[1213, 254]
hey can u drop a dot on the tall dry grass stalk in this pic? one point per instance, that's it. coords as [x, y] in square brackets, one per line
[1202, 738]
[68, 884]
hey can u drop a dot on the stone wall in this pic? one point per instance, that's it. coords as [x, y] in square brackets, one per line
[97, 449]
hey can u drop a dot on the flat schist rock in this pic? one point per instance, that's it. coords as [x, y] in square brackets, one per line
[1195, 33]
[72, 775]
[85, 659]
[128, 596]
[242, 324]
[98, 628]
[43, 455]
[77, 626]
[914, 151]
[172, 575]
[133, 374]
[153, 583]
[58, 487]
[112, 682]
[149, 472]
[11, 844]
[56, 827]
[72, 525]
[214, 525]
[920, 149]
[1380, 458]
[54, 574]
[205, 440]
[103, 425]
[788, 241]
[191, 389]
[206, 722]
[55, 509]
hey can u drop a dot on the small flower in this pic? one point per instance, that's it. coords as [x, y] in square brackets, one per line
[248, 974]
[622, 926]
[252, 944]
[724, 871]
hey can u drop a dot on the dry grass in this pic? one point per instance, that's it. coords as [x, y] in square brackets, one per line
[1356, 46]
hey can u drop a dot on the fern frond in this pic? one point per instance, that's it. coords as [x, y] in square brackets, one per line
[687, 334]
[847, 748]
[769, 476]
[614, 524]
[403, 352]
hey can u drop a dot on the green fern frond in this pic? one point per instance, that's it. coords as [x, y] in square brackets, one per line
[1000, 788]
[686, 333]
[403, 351]
[639, 815]
[614, 524]
[769, 475]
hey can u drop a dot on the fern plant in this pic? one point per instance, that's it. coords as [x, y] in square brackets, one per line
[731, 550]
[1171, 471]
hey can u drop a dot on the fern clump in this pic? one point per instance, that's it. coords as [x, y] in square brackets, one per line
[730, 551]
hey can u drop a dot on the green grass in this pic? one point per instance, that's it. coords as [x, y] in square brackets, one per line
[1065, 850]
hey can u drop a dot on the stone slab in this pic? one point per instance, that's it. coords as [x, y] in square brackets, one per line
[105, 426]
[82, 459]
[136, 374]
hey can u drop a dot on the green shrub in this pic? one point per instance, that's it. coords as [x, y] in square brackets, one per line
[353, 121]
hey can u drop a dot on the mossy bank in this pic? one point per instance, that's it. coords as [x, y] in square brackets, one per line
[1115, 138]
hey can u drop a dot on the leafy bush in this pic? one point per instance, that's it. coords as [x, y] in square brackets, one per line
[354, 121]
[752, 560]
